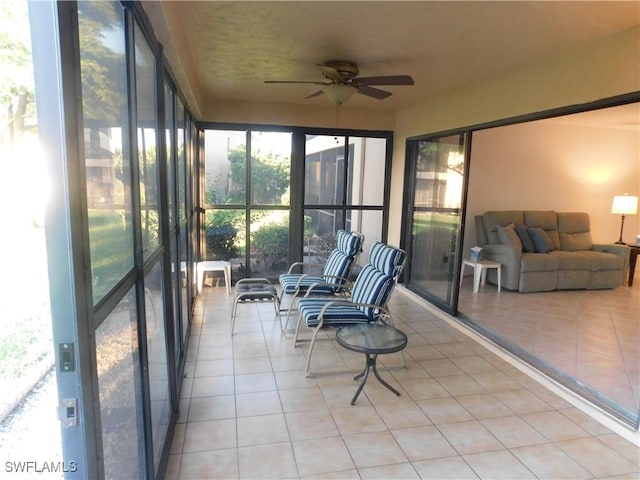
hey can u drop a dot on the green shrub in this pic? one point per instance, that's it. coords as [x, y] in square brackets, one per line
[271, 244]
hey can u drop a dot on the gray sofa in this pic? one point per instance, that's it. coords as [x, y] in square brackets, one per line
[570, 261]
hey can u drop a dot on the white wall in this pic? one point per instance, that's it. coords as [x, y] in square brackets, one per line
[550, 165]
[601, 70]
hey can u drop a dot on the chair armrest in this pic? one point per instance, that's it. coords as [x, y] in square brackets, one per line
[301, 265]
[347, 303]
[346, 287]
[254, 280]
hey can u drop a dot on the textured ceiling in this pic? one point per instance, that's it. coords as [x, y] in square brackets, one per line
[231, 47]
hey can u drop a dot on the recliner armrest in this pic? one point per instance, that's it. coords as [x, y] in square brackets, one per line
[615, 248]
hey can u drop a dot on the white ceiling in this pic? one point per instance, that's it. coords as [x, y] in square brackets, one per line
[231, 47]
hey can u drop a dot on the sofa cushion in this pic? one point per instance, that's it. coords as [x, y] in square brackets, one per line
[538, 262]
[548, 220]
[492, 219]
[572, 260]
[541, 240]
[574, 231]
[508, 236]
[525, 239]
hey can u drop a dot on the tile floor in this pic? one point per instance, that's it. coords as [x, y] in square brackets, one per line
[247, 410]
[592, 335]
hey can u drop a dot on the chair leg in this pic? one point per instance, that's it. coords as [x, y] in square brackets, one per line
[313, 341]
[295, 337]
[233, 314]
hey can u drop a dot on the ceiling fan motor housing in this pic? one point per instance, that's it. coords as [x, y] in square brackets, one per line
[347, 69]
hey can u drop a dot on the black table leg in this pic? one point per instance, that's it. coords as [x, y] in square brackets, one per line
[370, 365]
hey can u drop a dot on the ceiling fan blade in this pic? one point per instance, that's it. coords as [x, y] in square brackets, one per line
[373, 92]
[385, 80]
[295, 81]
[330, 73]
[314, 94]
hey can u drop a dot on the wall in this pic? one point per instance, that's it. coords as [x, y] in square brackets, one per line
[605, 69]
[551, 165]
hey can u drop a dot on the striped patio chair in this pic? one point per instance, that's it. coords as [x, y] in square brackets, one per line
[334, 277]
[368, 302]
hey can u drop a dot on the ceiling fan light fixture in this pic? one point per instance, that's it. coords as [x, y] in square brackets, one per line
[339, 94]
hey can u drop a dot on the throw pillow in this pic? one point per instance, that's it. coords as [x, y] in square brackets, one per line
[508, 236]
[540, 239]
[525, 238]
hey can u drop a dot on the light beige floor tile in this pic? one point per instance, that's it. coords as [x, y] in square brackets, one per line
[307, 425]
[357, 420]
[401, 413]
[211, 464]
[548, 461]
[267, 461]
[431, 443]
[495, 381]
[172, 471]
[351, 474]
[399, 471]
[444, 410]
[597, 457]
[484, 405]
[460, 385]
[513, 431]
[260, 403]
[373, 449]
[218, 352]
[178, 438]
[340, 395]
[244, 365]
[449, 468]
[212, 368]
[213, 435]
[521, 401]
[255, 382]
[554, 426]
[454, 349]
[212, 408]
[421, 389]
[322, 455]
[499, 464]
[469, 437]
[211, 386]
[622, 446]
[291, 380]
[441, 367]
[302, 400]
[261, 430]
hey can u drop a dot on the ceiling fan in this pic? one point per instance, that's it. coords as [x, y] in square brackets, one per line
[343, 81]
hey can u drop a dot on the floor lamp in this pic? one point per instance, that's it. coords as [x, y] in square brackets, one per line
[624, 205]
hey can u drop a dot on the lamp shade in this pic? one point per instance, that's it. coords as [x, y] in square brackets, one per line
[624, 205]
[339, 93]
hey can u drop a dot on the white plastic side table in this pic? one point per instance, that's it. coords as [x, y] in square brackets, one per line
[214, 266]
[480, 272]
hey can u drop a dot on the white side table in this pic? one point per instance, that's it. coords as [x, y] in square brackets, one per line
[480, 272]
[214, 266]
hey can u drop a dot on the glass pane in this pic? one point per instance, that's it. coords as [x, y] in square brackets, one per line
[225, 167]
[157, 355]
[225, 234]
[270, 166]
[119, 392]
[182, 162]
[436, 217]
[184, 300]
[104, 108]
[324, 170]
[178, 277]
[147, 151]
[369, 223]
[367, 160]
[269, 255]
[320, 227]
[171, 174]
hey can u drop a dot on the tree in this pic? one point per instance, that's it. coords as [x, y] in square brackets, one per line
[269, 177]
[17, 106]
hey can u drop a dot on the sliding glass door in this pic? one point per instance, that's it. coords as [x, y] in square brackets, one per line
[436, 179]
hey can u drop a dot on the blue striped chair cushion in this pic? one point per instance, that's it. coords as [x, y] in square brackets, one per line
[334, 315]
[348, 243]
[388, 260]
[372, 286]
[338, 265]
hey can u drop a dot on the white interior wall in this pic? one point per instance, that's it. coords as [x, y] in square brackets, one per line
[549, 165]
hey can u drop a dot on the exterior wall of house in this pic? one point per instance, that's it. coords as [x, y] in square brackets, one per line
[607, 68]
